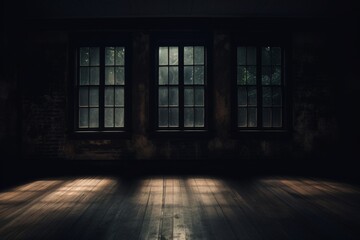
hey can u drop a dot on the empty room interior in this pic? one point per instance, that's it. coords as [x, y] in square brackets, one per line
[193, 119]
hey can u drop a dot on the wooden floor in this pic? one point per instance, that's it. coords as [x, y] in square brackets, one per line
[180, 208]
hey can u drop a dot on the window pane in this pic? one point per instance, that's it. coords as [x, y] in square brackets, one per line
[109, 76]
[174, 56]
[276, 117]
[251, 75]
[199, 117]
[241, 55]
[242, 96]
[119, 76]
[267, 96]
[188, 75]
[251, 56]
[276, 95]
[83, 118]
[94, 56]
[94, 75]
[174, 117]
[189, 96]
[94, 97]
[163, 117]
[199, 96]
[94, 117]
[120, 56]
[199, 75]
[83, 97]
[163, 56]
[276, 56]
[109, 117]
[109, 96]
[174, 96]
[252, 117]
[173, 75]
[188, 55]
[119, 117]
[252, 96]
[199, 55]
[163, 75]
[163, 96]
[242, 117]
[109, 56]
[119, 96]
[266, 117]
[188, 117]
[84, 56]
[265, 56]
[84, 76]
[241, 75]
[276, 76]
[266, 75]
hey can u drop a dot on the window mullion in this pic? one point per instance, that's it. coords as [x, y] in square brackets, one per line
[181, 86]
[259, 87]
[102, 89]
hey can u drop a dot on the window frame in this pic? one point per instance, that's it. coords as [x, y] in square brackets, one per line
[180, 40]
[87, 39]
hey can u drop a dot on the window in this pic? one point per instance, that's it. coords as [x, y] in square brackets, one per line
[101, 88]
[260, 87]
[181, 87]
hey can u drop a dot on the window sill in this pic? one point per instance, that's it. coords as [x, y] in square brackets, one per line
[176, 133]
[97, 134]
[261, 133]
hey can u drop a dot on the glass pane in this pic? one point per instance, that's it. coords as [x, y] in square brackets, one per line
[199, 96]
[174, 96]
[163, 117]
[188, 75]
[83, 97]
[173, 75]
[109, 117]
[267, 96]
[266, 117]
[120, 56]
[119, 117]
[265, 56]
[94, 56]
[109, 56]
[163, 75]
[109, 76]
[174, 117]
[189, 96]
[188, 55]
[251, 56]
[242, 96]
[119, 75]
[199, 75]
[84, 56]
[188, 117]
[199, 55]
[163, 96]
[94, 75]
[174, 56]
[241, 55]
[252, 96]
[277, 98]
[276, 56]
[276, 76]
[252, 117]
[276, 117]
[199, 117]
[266, 75]
[94, 117]
[94, 97]
[109, 96]
[251, 75]
[163, 56]
[84, 76]
[241, 75]
[119, 96]
[242, 117]
[83, 118]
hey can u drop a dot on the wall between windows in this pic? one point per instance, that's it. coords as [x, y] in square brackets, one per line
[315, 138]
